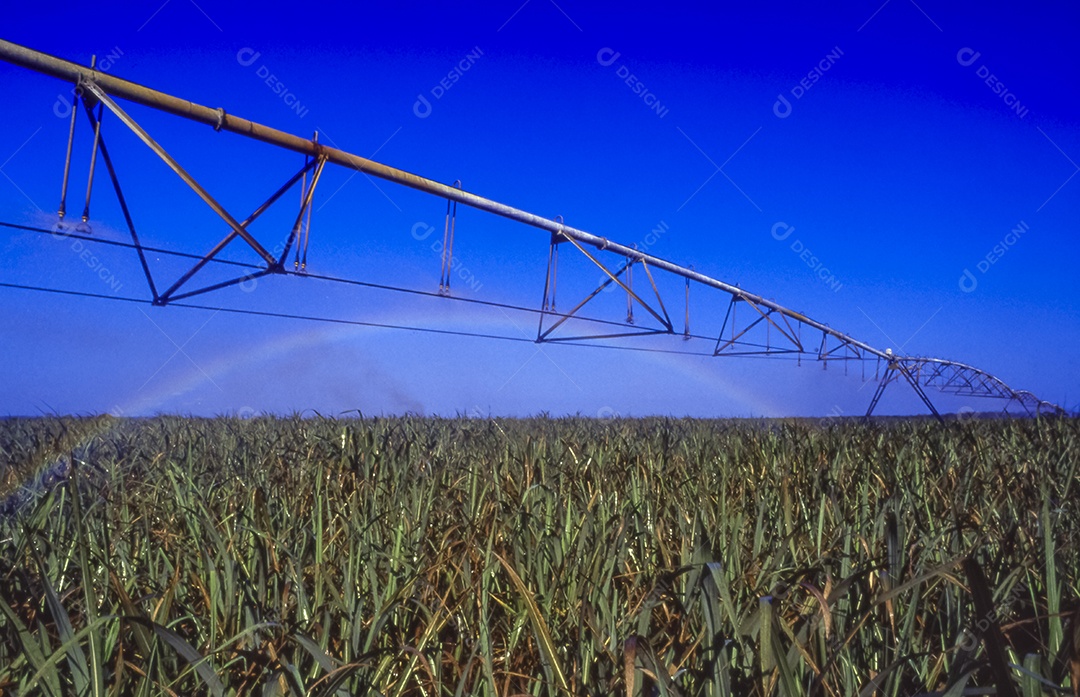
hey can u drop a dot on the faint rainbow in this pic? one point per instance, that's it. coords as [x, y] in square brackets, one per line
[710, 375]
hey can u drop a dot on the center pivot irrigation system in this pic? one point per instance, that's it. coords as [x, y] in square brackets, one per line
[763, 328]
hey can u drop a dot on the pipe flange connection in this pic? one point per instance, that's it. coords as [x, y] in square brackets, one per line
[220, 119]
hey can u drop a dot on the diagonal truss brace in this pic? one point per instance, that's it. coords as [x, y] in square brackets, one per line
[548, 303]
[105, 99]
[893, 371]
[787, 331]
[305, 207]
[171, 293]
[238, 229]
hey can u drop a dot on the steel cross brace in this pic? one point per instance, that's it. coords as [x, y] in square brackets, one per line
[548, 303]
[895, 369]
[180, 171]
[277, 267]
[238, 229]
[763, 316]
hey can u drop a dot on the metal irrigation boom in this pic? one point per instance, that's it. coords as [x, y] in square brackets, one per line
[97, 89]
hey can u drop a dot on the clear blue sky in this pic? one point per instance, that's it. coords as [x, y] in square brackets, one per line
[900, 143]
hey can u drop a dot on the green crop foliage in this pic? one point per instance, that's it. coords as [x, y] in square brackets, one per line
[430, 557]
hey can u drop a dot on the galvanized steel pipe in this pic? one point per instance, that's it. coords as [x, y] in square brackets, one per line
[221, 120]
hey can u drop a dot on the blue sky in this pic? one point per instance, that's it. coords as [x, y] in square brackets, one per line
[920, 156]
